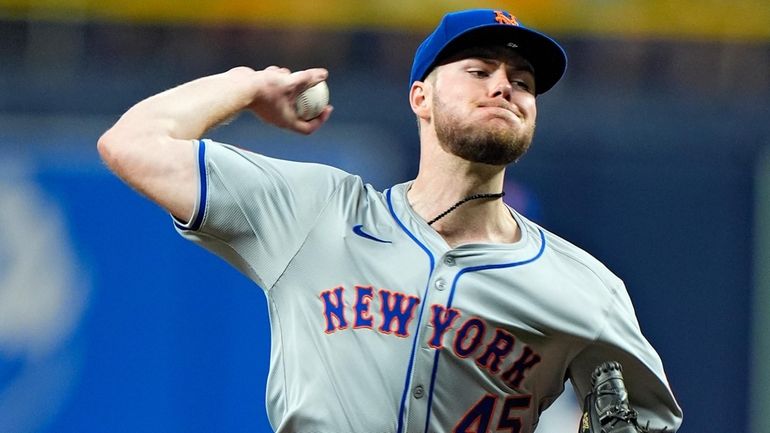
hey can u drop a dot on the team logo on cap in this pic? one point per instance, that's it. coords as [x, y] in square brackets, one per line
[503, 17]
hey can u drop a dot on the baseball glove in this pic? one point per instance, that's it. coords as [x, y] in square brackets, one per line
[606, 408]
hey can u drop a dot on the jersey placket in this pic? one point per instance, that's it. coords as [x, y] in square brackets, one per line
[443, 288]
[425, 361]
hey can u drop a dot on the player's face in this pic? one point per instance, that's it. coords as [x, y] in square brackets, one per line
[484, 106]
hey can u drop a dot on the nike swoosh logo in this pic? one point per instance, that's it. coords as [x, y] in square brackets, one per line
[359, 230]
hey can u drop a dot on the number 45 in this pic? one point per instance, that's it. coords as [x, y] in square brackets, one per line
[479, 417]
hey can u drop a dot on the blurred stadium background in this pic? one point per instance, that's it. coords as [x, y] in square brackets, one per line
[653, 153]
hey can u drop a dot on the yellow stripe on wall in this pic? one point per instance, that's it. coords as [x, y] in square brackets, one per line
[741, 19]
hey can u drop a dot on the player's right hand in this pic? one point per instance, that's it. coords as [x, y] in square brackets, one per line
[276, 92]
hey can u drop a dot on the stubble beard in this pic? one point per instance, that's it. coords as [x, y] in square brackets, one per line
[478, 143]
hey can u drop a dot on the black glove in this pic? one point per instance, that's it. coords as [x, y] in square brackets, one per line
[606, 408]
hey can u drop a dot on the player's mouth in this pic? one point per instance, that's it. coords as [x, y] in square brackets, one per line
[500, 109]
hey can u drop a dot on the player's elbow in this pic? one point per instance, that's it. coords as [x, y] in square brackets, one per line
[117, 149]
[108, 147]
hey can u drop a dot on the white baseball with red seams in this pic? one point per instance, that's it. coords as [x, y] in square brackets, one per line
[312, 101]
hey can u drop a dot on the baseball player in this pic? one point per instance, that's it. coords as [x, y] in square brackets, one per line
[428, 307]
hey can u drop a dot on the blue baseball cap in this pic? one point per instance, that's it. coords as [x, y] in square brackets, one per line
[482, 27]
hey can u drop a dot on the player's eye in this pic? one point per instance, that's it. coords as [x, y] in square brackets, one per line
[521, 84]
[478, 73]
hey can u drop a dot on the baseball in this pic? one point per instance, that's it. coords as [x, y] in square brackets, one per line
[311, 102]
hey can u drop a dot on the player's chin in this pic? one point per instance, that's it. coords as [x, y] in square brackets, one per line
[503, 128]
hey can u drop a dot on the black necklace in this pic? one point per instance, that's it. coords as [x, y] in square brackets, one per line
[466, 199]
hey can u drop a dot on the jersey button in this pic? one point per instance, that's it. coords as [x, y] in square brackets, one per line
[419, 391]
[449, 261]
[440, 284]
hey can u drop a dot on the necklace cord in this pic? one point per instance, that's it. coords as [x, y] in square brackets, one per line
[463, 201]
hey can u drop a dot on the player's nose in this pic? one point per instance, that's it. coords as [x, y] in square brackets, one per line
[501, 85]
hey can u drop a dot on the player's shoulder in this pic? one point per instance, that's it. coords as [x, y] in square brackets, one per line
[355, 193]
[349, 188]
[575, 257]
[218, 151]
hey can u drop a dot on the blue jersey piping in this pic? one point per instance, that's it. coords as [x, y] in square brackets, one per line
[402, 408]
[198, 219]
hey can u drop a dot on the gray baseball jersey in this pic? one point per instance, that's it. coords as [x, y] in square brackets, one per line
[378, 326]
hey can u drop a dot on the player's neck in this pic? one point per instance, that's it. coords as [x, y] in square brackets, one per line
[446, 181]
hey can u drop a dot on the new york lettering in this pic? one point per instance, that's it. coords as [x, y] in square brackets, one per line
[390, 312]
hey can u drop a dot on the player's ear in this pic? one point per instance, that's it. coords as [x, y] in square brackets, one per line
[419, 100]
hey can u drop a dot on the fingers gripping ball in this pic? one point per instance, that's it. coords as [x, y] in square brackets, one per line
[311, 102]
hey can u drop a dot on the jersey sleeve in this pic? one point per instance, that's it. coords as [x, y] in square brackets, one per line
[255, 211]
[621, 340]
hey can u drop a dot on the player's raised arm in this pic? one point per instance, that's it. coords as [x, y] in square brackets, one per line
[151, 147]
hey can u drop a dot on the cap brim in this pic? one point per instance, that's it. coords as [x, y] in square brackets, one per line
[547, 57]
